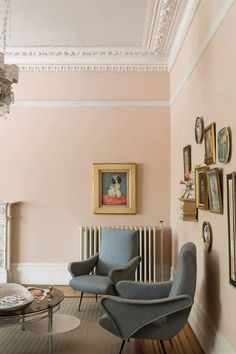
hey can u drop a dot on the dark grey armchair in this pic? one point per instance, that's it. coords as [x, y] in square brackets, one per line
[117, 260]
[155, 310]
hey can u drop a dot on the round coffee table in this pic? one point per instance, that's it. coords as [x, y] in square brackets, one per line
[39, 317]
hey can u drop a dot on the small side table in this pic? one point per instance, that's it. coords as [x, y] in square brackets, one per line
[53, 324]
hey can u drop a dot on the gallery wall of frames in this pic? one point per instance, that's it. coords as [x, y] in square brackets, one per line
[204, 185]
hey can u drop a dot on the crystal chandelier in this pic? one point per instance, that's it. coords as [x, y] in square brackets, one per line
[8, 73]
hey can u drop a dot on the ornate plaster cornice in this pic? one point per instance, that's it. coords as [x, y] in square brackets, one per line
[46, 52]
[159, 20]
[92, 68]
[165, 15]
[187, 18]
[150, 57]
[70, 59]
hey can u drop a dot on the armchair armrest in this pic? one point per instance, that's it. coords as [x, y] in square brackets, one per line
[125, 272]
[129, 316]
[148, 291]
[83, 267]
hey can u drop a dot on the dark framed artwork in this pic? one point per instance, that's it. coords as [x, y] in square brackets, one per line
[210, 144]
[206, 236]
[114, 188]
[231, 190]
[187, 162]
[224, 145]
[201, 190]
[199, 129]
[214, 191]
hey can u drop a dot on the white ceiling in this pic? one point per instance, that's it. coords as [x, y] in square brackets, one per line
[97, 35]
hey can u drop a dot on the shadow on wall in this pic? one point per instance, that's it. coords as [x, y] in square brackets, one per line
[167, 259]
[210, 293]
[175, 254]
[167, 250]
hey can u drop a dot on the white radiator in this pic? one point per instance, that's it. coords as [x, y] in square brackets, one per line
[150, 248]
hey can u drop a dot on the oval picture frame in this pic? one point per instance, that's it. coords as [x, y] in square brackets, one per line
[199, 130]
[206, 236]
[223, 145]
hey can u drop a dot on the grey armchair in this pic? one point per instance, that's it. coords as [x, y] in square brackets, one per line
[155, 310]
[117, 260]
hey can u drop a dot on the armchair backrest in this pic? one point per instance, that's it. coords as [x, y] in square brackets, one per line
[117, 248]
[184, 281]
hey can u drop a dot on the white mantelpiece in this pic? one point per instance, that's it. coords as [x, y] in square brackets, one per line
[5, 241]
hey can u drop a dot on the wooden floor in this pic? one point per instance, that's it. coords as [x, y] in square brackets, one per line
[184, 343]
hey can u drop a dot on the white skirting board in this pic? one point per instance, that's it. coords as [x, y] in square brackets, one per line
[210, 338]
[40, 273]
[50, 273]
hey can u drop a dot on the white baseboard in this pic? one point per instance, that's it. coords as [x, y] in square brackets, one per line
[40, 273]
[210, 338]
[53, 273]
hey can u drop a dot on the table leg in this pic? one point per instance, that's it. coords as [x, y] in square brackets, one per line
[50, 324]
[23, 323]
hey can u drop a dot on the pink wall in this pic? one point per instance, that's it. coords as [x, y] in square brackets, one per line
[93, 86]
[209, 92]
[47, 155]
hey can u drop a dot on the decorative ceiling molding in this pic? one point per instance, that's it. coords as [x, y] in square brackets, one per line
[182, 31]
[162, 17]
[163, 23]
[92, 68]
[78, 52]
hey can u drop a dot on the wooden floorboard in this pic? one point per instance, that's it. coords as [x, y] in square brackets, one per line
[185, 342]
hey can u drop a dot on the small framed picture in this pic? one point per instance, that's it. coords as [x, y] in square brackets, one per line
[231, 209]
[201, 191]
[199, 129]
[187, 162]
[223, 143]
[214, 191]
[210, 144]
[206, 236]
[114, 188]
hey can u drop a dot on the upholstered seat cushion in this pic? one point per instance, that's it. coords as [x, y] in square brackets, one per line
[93, 283]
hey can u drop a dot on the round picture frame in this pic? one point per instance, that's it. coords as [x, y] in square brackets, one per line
[224, 145]
[199, 130]
[206, 236]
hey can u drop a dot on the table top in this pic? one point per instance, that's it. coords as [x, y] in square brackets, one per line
[36, 307]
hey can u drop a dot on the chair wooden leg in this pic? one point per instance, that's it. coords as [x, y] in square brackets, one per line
[163, 347]
[96, 296]
[171, 343]
[80, 301]
[122, 346]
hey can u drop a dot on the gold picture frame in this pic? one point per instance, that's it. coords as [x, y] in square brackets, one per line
[214, 191]
[114, 188]
[206, 236]
[201, 190]
[187, 161]
[210, 144]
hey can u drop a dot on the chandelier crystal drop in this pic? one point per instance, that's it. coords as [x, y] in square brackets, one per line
[8, 73]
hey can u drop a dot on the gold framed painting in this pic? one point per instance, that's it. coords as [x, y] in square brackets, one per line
[210, 144]
[199, 129]
[114, 188]
[187, 162]
[201, 191]
[224, 144]
[214, 191]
